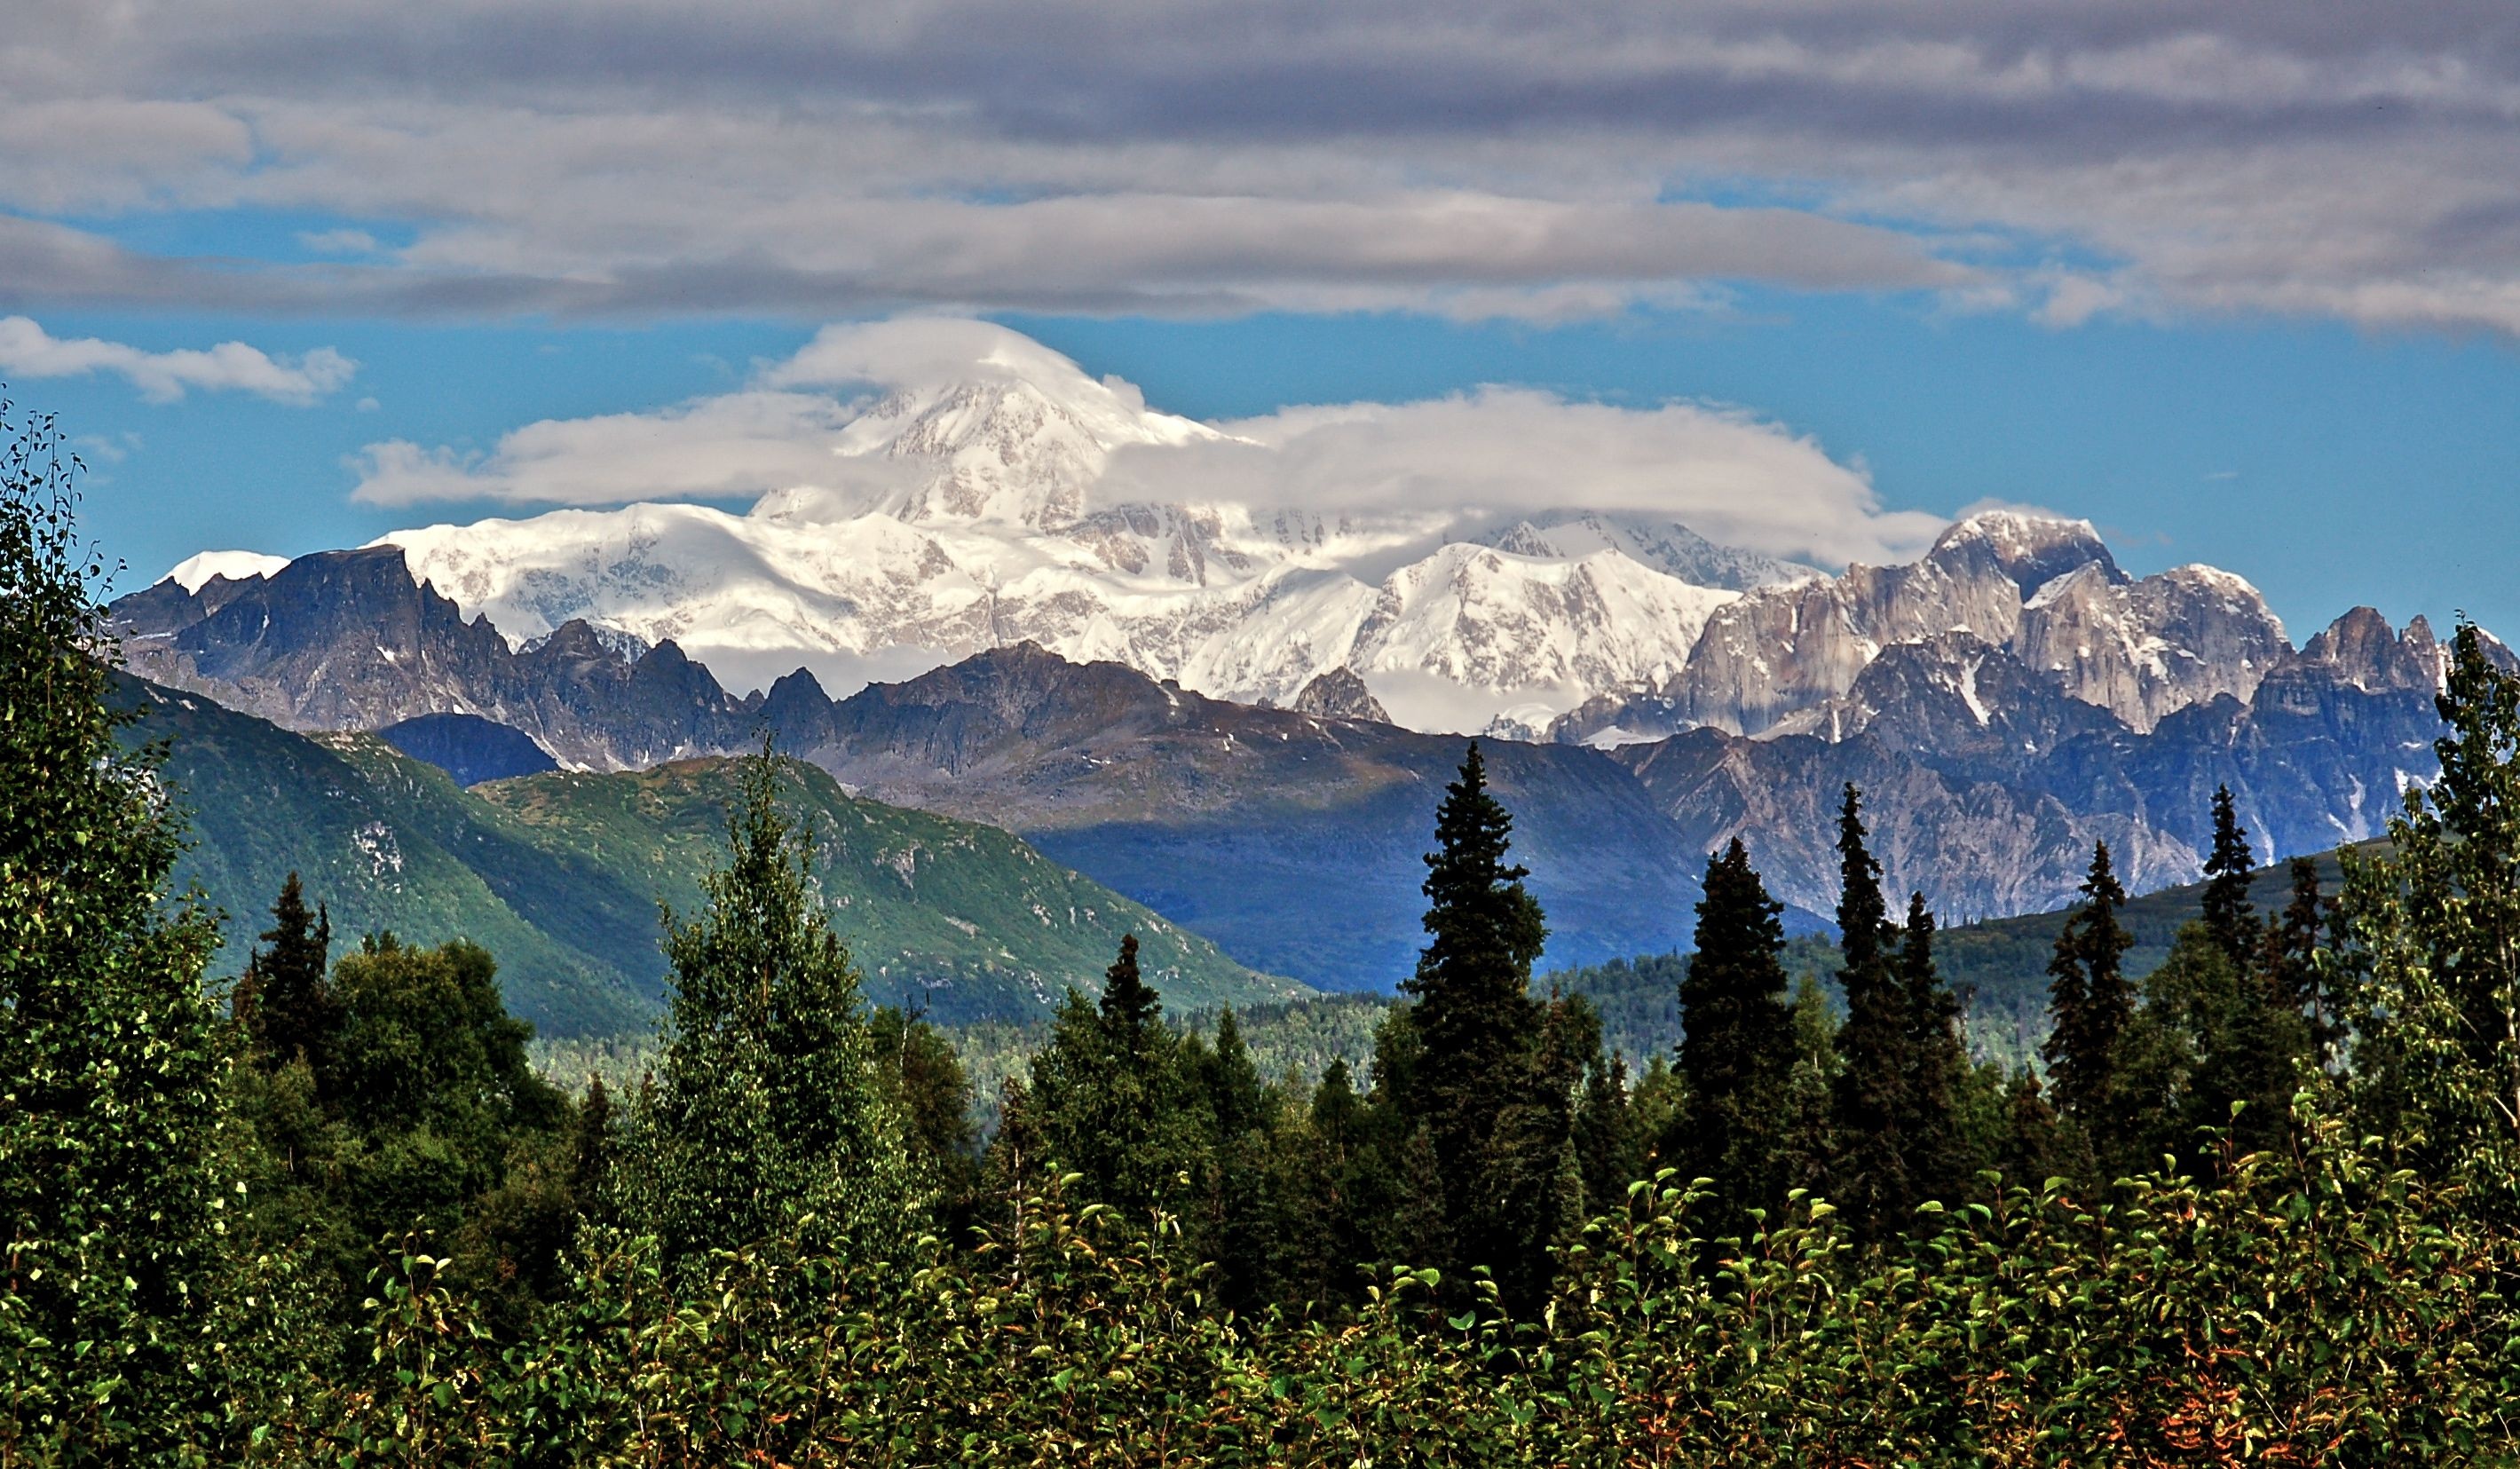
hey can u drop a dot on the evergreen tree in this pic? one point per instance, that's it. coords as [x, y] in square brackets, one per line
[592, 1152]
[1117, 1097]
[767, 1107]
[2289, 961]
[2090, 1003]
[2036, 1147]
[1235, 1097]
[111, 1056]
[1609, 1147]
[1807, 1144]
[1478, 1028]
[1234, 1229]
[1533, 1181]
[1132, 1011]
[2228, 917]
[1872, 1099]
[1737, 1047]
[1939, 1163]
[284, 1000]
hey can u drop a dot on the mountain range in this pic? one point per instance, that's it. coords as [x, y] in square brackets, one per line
[1243, 717]
[560, 875]
[1289, 836]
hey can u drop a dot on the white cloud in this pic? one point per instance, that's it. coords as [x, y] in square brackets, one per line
[28, 350]
[736, 445]
[1503, 451]
[1464, 462]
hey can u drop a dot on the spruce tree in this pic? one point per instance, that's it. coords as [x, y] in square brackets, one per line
[2036, 1147]
[1117, 1097]
[1940, 1165]
[1736, 1046]
[767, 1107]
[2289, 959]
[2090, 1003]
[284, 1000]
[1806, 1125]
[1234, 1230]
[1477, 1026]
[1132, 1012]
[1236, 1099]
[110, 1186]
[2228, 917]
[1872, 1100]
[1608, 1145]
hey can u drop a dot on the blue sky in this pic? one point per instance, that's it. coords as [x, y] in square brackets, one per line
[2331, 466]
[2241, 287]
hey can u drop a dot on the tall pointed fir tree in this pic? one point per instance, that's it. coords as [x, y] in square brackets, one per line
[1477, 1026]
[2289, 958]
[2088, 1005]
[1737, 1044]
[110, 1181]
[1116, 1098]
[768, 1107]
[285, 997]
[1872, 1100]
[2228, 916]
[1938, 1162]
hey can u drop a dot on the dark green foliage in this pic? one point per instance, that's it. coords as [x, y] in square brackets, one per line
[422, 1116]
[110, 1054]
[767, 1106]
[1492, 1083]
[2430, 955]
[1609, 1145]
[1116, 1097]
[1936, 1151]
[1869, 1171]
[285, 999]
[1736, 1048]
[1474, 1016]
[2036, 1146]
[2289, 962]
[2090, 1003]
[2230, 920]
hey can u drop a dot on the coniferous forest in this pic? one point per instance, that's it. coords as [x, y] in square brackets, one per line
[2257, 1205]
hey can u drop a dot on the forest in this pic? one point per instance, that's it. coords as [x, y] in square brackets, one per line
[2258, 1204]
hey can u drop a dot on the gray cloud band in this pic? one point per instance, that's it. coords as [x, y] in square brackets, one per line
[1478, 158]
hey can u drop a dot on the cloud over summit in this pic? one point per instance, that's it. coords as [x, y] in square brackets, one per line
[1461, 463]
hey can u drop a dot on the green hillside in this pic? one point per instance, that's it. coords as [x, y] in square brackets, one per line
[560, 874]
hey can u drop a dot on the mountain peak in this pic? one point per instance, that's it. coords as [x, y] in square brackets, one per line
[2032, 547]
[988, 426]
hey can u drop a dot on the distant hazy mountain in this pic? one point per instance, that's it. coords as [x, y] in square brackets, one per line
[560, 875]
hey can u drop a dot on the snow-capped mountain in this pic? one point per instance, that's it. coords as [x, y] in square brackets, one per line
[964, 518]
[976, 512]
[2044, 590]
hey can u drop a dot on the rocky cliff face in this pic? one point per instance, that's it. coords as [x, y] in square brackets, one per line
[1989, 779]
[347, 641]
[2043, 590]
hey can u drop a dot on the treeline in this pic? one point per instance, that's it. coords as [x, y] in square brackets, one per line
[2261, 1209]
